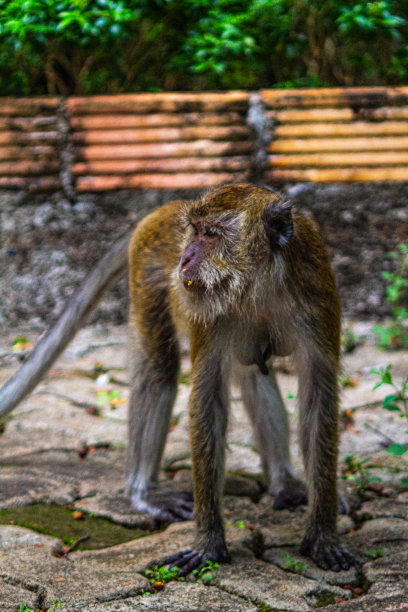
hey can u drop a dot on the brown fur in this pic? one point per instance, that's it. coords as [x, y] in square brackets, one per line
[243, 277]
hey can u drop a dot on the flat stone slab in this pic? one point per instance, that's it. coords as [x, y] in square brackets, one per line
[63, 445]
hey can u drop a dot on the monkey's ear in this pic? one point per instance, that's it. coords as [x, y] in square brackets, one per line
[278, 224]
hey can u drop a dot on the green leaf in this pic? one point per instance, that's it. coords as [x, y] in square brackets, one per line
[397, 449]
[392, 407]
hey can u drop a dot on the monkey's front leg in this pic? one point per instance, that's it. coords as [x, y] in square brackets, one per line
[208, 422]
[319, 438]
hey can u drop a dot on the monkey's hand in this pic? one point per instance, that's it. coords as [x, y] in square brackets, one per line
[293, 493]
[189, 560]
[167, 506]
[325, 551]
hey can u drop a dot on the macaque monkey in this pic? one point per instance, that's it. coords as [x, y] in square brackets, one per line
[245, 279]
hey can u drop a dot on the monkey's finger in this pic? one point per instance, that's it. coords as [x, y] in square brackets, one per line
[195, 562]
[345, 559]
[185, 513]
[341, 560]
[176, 556]
[168, 516]
[326, 560]
[186, 496]
[181, 561]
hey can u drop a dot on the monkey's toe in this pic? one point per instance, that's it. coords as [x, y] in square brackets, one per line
[333, 558]
[189, 560]
[293, 494]
[328, 555]
[166, 506]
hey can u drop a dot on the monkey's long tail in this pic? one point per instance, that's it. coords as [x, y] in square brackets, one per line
[107, 271]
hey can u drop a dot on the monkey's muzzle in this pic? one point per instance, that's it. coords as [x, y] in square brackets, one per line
[191, 285]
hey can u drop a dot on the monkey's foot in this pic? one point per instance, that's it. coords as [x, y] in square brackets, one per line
[326, 552]
[168, 506]
[293, 493]
[189, 560]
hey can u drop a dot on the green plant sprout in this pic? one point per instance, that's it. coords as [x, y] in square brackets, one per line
[291, 565]
[349, 339]
[375, 554]
[21, 344]
[111, 398]
[162, 574]
[205, 574]
[395, 402]
[394, 334]
[57, 604]
[345, 380]
[356, 471]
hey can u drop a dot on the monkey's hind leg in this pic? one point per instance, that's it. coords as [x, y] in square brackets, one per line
[319, 436]
[155, 369]
[264, 404]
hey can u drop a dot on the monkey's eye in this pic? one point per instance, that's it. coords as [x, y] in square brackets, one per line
[210, 232]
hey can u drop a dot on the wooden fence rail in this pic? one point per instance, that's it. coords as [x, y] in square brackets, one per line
[358, 134]
[192, 140]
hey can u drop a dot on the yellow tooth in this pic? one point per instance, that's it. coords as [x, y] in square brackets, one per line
[189, 283]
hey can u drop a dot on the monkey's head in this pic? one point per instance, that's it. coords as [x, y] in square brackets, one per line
[231, 237]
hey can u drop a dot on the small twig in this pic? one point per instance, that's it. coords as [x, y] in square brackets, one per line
[64, 551]
[380, 433]
[77, 542]
[374, 404]
[93, 408]
[95, 347]
[382, 540]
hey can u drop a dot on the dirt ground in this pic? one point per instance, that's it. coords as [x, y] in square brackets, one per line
[61, 485]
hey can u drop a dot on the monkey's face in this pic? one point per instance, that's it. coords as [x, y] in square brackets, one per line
[210, 263]
[231, 243]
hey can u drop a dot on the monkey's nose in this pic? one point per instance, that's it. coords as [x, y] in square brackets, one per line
[185, 259]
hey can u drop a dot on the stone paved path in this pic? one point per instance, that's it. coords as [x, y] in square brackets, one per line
[65, 445]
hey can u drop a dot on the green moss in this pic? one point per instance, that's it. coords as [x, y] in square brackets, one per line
[59, 522]
[324, 598]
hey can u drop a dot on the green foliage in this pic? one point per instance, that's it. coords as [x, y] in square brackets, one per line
[349, 339]
[375, 554]
[57, 604]
[162, 574]
[394, 334]
[291, 565]
[395, 402]
[110, 398]
[356, 472]
[91, 46]
[206, 573]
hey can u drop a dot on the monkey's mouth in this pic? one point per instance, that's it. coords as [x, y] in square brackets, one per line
[191, 285]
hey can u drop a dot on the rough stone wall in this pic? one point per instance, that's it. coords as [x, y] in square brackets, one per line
[360, 224]
[48, 244]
